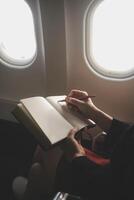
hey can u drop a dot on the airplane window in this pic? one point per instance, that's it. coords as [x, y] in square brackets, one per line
[17, 34]
[109, 37]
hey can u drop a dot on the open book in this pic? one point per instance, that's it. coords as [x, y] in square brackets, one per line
[48, 119]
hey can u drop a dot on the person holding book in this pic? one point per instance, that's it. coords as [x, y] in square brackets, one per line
[82, 172]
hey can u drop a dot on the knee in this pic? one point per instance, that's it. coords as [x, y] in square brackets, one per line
[36, 170]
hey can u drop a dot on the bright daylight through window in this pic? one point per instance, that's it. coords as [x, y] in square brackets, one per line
[17, 35]
[109, 37]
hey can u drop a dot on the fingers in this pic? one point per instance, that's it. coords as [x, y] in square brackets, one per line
[74, 101]
[71, 137]
[72, 133]
[77, 94]
[71, 146]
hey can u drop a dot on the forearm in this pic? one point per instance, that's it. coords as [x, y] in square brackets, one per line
[102, 119]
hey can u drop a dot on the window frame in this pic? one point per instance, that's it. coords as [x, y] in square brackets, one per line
[16, 63]
[97, 69]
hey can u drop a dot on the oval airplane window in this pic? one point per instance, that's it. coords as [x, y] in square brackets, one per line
[17, 34]
[109, 37]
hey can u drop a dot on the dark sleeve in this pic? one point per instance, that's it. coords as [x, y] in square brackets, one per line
[114, 134]
[84, 165]
[90, 177]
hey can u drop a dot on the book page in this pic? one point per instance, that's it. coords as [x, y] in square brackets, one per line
[54, 126]
[73, 117]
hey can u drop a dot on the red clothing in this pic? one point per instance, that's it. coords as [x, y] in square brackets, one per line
[97, 159]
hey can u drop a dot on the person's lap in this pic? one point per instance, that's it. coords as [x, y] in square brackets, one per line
[97, 185]
[69, 180]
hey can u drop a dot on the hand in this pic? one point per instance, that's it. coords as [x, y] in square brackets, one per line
[72, 148]
[84, 106]
[88, 109]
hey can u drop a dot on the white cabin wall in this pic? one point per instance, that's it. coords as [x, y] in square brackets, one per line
[114, 97]
[53, 20]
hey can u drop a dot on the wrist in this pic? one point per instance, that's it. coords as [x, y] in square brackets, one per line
[70, 158]
[102, 119]
[92, 112]
[78, 155]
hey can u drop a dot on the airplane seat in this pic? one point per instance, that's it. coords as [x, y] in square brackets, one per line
[16, 151]
[47, 161]
[19, 186]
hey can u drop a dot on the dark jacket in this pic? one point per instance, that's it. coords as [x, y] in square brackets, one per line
[114, 181]
[121, 140]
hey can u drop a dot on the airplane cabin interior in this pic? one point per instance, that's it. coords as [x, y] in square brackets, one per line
[48, 48]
